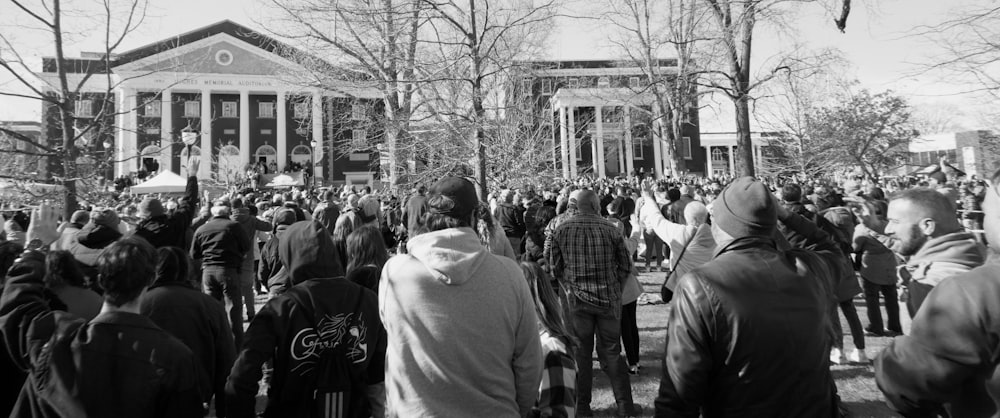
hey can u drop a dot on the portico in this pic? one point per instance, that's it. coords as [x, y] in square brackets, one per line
[606, 131]
[244, 102]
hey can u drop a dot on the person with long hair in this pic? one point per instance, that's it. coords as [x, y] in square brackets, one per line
[491, 234]
[557, 392]
[344, 227]
[65, 279]
[366, 254]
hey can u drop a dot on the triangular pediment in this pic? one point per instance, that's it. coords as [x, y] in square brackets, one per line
[219, 54]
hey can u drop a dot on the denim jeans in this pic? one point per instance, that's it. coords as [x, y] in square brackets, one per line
[604, 323]
[888, 292]
[223, 284]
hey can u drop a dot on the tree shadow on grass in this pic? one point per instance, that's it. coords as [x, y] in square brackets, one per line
[852, 372]
[869, 408]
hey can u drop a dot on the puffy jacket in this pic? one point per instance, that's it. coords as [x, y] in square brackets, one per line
[949, 358]
[748, 332]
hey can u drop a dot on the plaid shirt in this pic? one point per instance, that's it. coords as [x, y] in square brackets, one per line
[589, 256]
[557, 392]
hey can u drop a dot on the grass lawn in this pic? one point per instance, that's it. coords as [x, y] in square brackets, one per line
[855, 382]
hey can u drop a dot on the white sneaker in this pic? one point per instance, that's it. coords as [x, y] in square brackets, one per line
[836, 356]
[857, 356]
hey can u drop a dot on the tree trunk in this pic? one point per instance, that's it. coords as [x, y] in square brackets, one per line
[68, 152]
[744, 154]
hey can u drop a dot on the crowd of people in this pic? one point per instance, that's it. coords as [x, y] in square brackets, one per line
[446, 303]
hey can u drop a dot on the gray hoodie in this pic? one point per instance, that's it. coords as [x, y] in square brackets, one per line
[463, 335]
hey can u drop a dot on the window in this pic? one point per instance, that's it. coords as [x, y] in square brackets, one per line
[686, 147]
[526, 86]
[358, 112]
[546, 86]
[84, 108]
[359, 136]
[230, 110]
[633, 82]
[300, 111]
[265, 110]
[574, 83]
[192, 109]
[604, 82]
[637, 150]
[152, 109]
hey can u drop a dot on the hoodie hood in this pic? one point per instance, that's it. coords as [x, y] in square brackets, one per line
[452, 255]
[307, 252]
[958, 247]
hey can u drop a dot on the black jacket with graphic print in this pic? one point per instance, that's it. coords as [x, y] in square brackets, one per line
[285, 330]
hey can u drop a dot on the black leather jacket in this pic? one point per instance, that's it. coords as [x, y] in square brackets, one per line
[748, 332]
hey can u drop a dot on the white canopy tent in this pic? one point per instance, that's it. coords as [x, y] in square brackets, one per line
[286, 180]
[165, 182]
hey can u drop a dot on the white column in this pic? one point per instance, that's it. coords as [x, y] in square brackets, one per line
[657, 156]
[708, 160]
[629, 148]
[205, 169]
[282, 128]
[119, 144]
[244, 127]
[130, 148]
[601, 169]
[317, 133]
[564, 141]
[594, 161]
[167, 136]
[620, 145]
[732, 160]
[572, 140]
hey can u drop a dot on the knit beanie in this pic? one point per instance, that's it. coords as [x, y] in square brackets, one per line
[745, 208]
[105, 217]
[150, 207]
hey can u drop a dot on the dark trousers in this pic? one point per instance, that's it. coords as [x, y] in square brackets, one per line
[223, 284]
[654, 248]
[857, 332]
[630, 333]
[915, 295]
[590, 321]
[888, 292]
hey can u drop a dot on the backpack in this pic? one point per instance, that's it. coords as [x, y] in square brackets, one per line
[340, 386]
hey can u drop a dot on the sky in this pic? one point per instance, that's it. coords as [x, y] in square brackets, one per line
[876, 44]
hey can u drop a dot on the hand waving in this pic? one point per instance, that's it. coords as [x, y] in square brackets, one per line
[43, 224]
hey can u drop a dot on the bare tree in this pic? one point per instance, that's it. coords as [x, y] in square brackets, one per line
[965, 49]
[378, 41]
[113, 20]
[649, 30]
[475, 43]
[936, 118]
[734, 25]
[786, 106]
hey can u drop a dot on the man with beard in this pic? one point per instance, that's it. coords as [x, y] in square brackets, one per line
[948, 361]
[924, 225]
